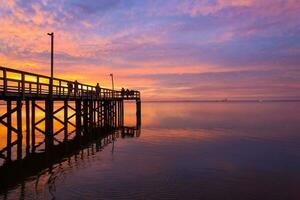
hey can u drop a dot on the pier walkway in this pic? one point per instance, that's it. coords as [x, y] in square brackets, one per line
[20, 84]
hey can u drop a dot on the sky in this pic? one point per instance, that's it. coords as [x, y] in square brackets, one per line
[167, 49]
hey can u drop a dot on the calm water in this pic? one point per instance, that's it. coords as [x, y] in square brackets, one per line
[185, 151]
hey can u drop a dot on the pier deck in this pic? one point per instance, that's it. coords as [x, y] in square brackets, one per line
[16, 84]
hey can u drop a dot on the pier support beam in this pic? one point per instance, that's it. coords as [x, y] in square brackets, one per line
[119, 113]
[98, 114]
[138, 113]
[78, 111]
[19, 130]
[66, 120]
[85, 115]
[90, 113]
[9, 130]
[115, 113]
[48, 123]
[27, 111]
[122, 112]
[105, 112]
[33, 126]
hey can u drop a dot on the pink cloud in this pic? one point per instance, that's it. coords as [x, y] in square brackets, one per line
[206, 7]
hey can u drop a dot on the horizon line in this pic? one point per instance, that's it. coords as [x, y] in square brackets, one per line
[223, 101]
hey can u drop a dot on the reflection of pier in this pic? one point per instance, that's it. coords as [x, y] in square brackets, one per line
[81, 108]
[130, 131]
[16, 171]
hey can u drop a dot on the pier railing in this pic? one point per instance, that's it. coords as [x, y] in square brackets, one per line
[17, 83]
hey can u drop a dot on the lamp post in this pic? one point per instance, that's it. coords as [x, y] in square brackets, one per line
[52, 62]
[112, 84]
[49, 103]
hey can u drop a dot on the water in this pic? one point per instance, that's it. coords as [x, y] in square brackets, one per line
[184, 151]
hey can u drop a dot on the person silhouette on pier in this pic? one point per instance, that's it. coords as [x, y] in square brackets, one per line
[98, 90]
[127, 93]
[70, 88]
[76, 87]
[122, 92]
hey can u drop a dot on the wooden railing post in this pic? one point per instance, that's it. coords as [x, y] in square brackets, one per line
[59, 87]
[4, 81]
[37, 85]
[19, 86]
[23, 85]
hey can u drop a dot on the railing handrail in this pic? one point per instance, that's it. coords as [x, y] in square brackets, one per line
[59, 85]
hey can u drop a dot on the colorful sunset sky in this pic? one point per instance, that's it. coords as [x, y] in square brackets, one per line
[168, 49]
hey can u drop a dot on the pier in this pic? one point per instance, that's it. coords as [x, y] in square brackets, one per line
[36, 102]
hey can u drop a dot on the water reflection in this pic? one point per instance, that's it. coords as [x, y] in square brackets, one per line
[45, 167]
[186, 151]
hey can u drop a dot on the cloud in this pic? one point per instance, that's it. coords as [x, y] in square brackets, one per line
[206, 7]
[256, 84]
[173, 45]
[91, 7]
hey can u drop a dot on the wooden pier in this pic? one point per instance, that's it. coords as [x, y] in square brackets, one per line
[83, 107]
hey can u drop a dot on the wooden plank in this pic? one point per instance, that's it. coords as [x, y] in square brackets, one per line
[8, 123]
[9, 127]
[58, 131]
[57, 140]
[71, 123]
[39, 144]
[70, 117]
[8, 113]
[59, 120]
[7, 148]
[40, 130]
[71, 108]
[39, 107]
[72, 132]
[61, 108]
[38, 122]
[2, 156]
